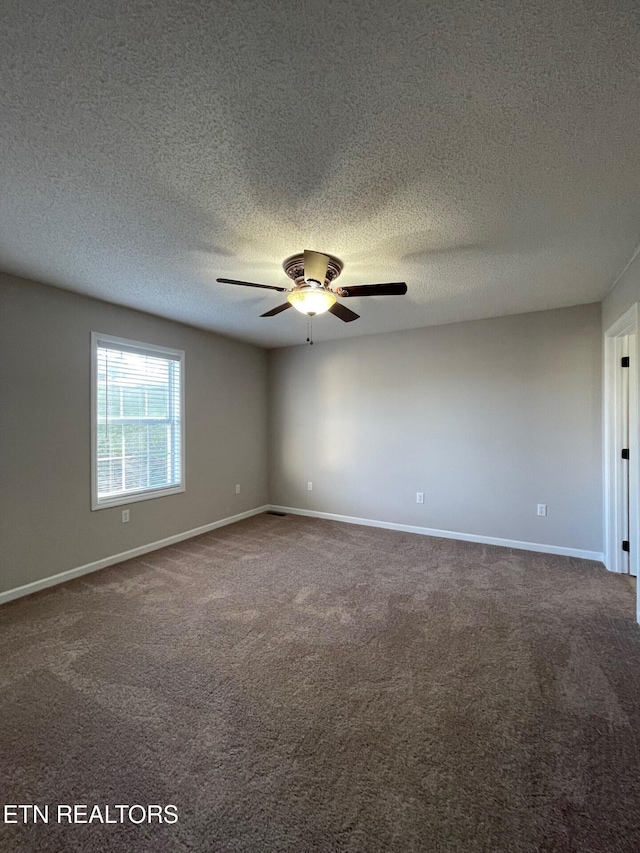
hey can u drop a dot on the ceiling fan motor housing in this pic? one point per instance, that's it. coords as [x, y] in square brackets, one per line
[294, 268]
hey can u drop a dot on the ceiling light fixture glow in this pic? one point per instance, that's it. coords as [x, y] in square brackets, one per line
[311, 301]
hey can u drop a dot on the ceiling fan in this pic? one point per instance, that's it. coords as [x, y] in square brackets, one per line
[313, 293]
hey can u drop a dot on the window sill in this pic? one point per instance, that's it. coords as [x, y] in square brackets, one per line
[134, 497]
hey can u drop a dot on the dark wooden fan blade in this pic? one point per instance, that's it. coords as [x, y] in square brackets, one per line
[398, 288]
[251, 284]
[345, 314]
[277, 310]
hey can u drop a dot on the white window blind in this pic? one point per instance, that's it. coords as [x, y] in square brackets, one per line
[138, 424]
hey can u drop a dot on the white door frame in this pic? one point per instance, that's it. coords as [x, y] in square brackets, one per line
[628, 324]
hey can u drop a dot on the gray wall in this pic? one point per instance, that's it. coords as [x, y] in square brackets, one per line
[46, 523]
[623, 296]
[488, 418]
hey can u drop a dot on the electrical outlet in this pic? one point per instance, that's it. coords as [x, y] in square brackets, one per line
[542, 509]
[309, 486]
[237, 488]
[419, 497]
[125, 515]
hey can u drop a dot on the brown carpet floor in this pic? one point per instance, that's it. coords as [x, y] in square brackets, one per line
[293, 684]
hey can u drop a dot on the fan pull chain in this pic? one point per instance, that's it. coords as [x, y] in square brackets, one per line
[310, 333]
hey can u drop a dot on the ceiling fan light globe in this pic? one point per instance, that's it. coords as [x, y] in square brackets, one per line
[311, 302]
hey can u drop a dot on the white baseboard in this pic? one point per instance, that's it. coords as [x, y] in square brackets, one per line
[68, 575]
[449, 534]
[52, 580]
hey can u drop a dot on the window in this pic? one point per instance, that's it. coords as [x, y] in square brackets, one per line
[137, 421]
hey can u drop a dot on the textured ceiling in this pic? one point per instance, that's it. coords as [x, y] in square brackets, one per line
[487, 153]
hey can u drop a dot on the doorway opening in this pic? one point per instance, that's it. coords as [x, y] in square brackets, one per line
[621, 445]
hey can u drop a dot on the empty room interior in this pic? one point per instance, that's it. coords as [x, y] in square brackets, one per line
[319, 426]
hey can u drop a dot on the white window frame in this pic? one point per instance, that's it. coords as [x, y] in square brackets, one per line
[147, 494]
